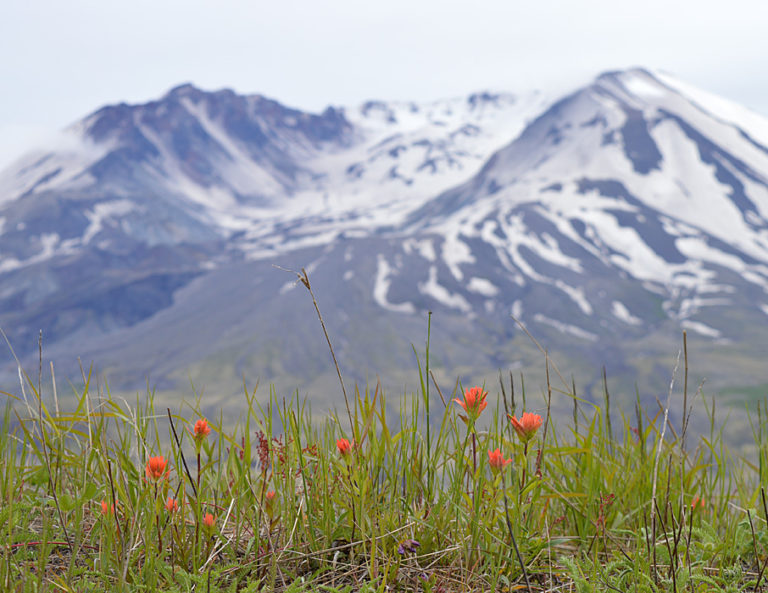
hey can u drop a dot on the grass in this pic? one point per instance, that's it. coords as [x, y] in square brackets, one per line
[628, 507]
[388, 495]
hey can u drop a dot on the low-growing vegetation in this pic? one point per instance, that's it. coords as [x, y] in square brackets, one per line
[459, 493]
[482, 489]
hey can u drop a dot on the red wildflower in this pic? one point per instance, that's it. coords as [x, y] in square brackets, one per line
[208, 521]
[202, 429]
[107, 509]
[155, 467]
[527, 426]
[497, 461]
[698, 503]
[171, 506]
[474, 401]
[269, 503]
[344, 447]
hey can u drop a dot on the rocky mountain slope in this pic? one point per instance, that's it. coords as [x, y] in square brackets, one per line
[606, 221]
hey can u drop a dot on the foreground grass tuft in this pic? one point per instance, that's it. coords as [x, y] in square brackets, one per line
[461, 493]
[442, 496]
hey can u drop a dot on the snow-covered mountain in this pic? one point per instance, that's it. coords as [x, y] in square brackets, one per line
[629, 178]
[605, 220]
[195, 166]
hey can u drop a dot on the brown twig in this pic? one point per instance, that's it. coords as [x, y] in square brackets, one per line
[181, 452]
[672, 570]
[304, 279]
[439, 392]
[765, 510]
[540, 454]
[114, 502]
[754, 547]
[504, 396]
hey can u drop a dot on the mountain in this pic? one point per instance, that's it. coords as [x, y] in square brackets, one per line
[629, 198]
[606, 221]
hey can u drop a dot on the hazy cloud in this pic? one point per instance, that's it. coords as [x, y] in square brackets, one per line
[65, 59]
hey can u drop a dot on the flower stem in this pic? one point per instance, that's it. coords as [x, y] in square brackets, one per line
[474, 465]
[512, 534]
[157, 523]
[352, 504]
[198, 469]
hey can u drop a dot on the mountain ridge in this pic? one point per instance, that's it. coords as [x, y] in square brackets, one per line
[627, 210]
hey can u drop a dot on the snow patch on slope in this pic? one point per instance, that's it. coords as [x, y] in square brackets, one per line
[455, 252]
[8, 264]
[104, 211]
[482, 286]
[441, 294]
[424, 248]
[565, 328]
[381, 289]
[576, 294]
[701, 328]
[620, 311]
[733, 113]
[640, 85]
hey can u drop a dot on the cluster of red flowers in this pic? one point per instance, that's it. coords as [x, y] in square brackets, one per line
[157, 468]
[698, 503]
[497, 461]
[344, 447]
[474, 402]
[202, 429]
[527, 426]
[107, 509]
[208, 520]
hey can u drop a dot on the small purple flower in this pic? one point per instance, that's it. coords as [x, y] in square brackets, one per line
[407, 545]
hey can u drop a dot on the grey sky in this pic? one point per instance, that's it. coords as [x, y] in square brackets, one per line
[62, 60]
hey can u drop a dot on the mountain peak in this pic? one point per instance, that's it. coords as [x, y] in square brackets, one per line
[624, 72]
[186, 89]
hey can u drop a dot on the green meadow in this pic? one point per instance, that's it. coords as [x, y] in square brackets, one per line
[494, 487]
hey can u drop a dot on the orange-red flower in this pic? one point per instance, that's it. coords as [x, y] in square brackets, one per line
[208, 520]
[269, 503]
[171, 505]
[107, 509]
[344, 447]
[202, 429]
[527, 426]
[474, 401]
[698, 503]
[155, 467]
[497, 461]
